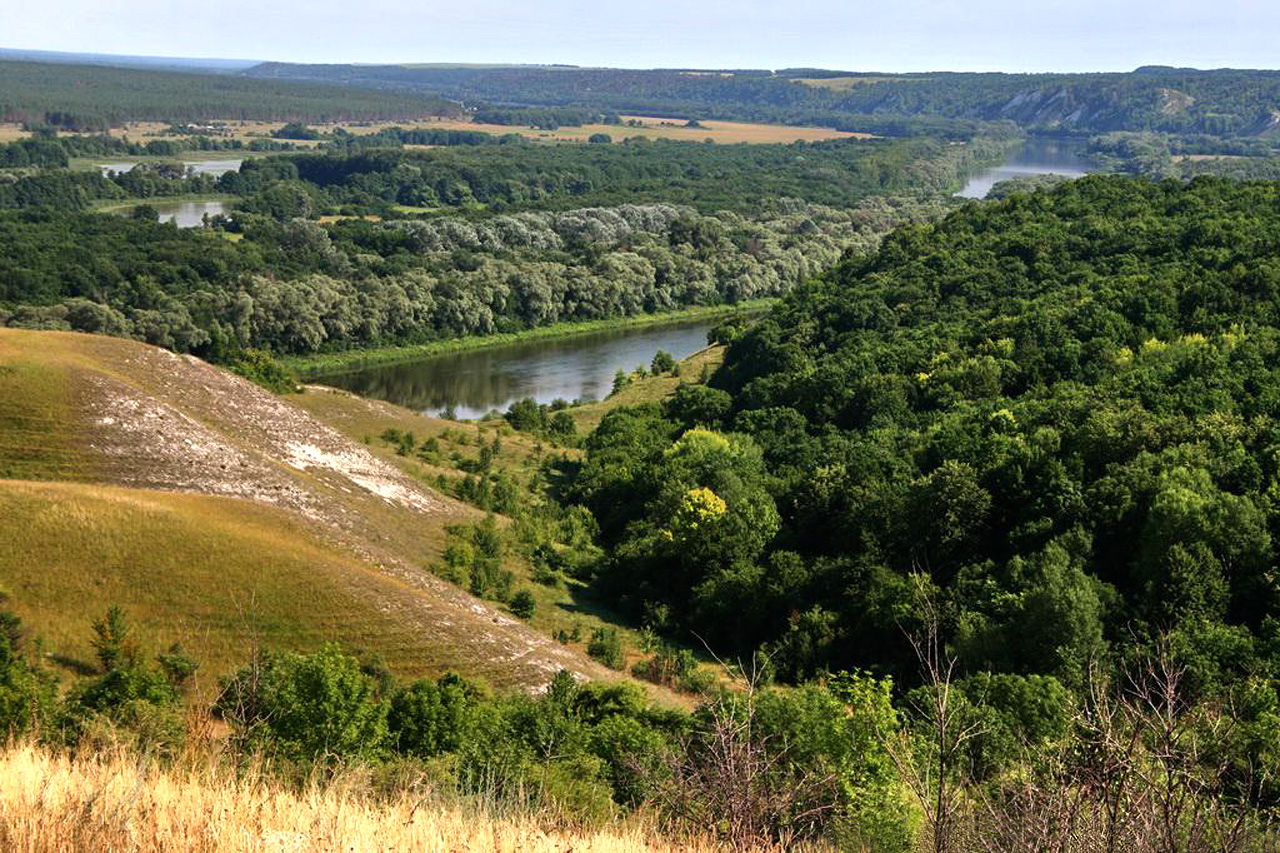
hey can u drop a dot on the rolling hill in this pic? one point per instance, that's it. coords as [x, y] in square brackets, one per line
[226, 518]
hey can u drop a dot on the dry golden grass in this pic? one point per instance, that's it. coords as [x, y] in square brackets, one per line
[10, 131]
[49, 802]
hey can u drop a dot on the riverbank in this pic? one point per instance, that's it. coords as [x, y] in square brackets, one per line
[310, 366]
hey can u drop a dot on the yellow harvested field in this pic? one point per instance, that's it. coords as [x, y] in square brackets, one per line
[10, 131]
[659, 128]
[844, 84]
[726, 132]
[142, 131]
[51, 802]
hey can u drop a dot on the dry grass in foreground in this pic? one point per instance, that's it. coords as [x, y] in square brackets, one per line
[49, 802]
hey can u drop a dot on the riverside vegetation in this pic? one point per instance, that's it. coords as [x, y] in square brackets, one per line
[295, 286]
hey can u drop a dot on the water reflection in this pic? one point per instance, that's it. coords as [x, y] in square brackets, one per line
[187, 214]
[213, 167]
[1036, 157]
[196, 167]
[579, 367]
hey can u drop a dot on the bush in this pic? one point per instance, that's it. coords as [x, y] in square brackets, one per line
[259, 367]
[427, 718]
[523, 604]
[142, 700]
[306, 707]
[606, 647]
[26, 693]
[698, 405]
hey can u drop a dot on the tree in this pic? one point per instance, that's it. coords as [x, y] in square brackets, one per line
[523, 604]
[316, 707]
[606, 646]
[26, 693]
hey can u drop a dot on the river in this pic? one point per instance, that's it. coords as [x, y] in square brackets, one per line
[1035, 157]
[475, 382]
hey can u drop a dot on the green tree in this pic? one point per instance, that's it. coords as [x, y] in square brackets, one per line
[316, 707]
[523, 604]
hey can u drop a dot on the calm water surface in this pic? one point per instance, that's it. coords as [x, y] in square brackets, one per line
[187, 214]
[579, 367]
[198, 167]
[1036, 157]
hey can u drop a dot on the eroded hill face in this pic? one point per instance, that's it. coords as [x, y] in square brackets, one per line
[101, 410]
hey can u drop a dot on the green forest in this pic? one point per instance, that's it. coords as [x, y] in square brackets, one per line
[1056, 410]
[95, 98]
[540, 235]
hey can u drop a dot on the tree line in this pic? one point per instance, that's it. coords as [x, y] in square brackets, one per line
[1223, 102]
[299, 287]
[96, 98]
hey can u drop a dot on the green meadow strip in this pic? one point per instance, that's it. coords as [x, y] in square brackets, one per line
[310, 366]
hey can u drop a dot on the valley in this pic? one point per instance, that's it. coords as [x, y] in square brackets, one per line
[506, 456]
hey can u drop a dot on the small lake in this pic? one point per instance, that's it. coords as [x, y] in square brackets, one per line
[198, 167]
[1036, 157]
[187, 214]
[578, 367]
[214, 167]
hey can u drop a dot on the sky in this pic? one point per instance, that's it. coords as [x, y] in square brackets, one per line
[886, 35]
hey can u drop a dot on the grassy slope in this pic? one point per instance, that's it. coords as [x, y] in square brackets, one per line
[350, 562]
[218, 574]
[558, 608]
[648, 390]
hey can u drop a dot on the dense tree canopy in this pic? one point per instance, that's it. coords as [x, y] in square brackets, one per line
[1058, 409]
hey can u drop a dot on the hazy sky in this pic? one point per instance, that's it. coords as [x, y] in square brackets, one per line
[887, 35]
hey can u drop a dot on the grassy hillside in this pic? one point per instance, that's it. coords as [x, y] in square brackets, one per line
[220, 575]
[224, 517]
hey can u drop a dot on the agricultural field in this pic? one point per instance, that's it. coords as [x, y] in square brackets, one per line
[844, 84]
[725, 132]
